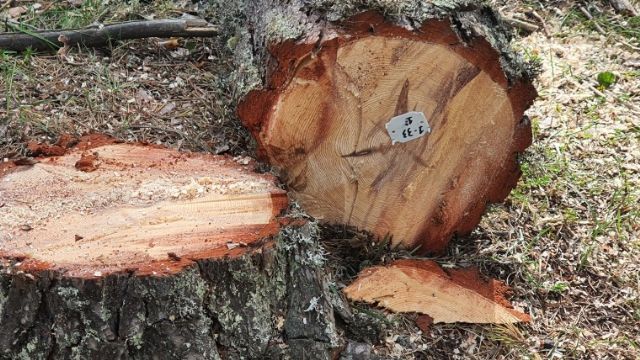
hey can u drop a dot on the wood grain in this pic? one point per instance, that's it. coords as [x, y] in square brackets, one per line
[138, 205]
[322, 123]
[422, 286]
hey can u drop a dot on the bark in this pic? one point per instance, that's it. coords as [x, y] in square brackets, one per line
[267, 303]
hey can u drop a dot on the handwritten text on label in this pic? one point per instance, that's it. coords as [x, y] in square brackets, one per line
[408, 126]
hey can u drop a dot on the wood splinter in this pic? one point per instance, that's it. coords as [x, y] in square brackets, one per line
[423, 287]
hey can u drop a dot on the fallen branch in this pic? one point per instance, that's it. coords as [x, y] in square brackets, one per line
[543, 23]
[103, 34]
[521, 24]
[590, 17]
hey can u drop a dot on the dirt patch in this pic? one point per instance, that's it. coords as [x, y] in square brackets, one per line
[87, 163]
[36, 149]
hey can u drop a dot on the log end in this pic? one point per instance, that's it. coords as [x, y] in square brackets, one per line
[392, 131]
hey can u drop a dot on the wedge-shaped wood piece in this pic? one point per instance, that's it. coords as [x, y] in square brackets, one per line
[423, 287]
[123, 206]
[400, 132]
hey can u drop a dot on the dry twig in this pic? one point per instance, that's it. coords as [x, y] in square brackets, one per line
[590, 17]
[521, 24]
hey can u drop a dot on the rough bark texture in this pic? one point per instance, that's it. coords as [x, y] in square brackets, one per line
[271, 302]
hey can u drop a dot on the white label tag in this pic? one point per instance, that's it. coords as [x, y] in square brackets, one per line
[408, 126]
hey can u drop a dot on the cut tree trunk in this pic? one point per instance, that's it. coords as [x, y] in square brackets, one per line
[118, 207]
[117, 251]
[321, 82]
[405, 131]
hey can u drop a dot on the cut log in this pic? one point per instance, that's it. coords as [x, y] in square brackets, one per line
[396, 131]
[130, 251]
[423, 287]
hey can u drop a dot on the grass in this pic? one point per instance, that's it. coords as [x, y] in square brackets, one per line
[59, 15]
[8, 68]
[575, 20]
[147, 94]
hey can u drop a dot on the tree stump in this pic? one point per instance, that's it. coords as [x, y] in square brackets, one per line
[117, 251]
[401, 132]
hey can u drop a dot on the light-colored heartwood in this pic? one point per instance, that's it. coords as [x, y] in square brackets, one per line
[139, 204]
[324, 128]
[421, 286]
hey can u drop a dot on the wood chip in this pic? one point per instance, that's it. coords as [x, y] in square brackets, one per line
[423, 287]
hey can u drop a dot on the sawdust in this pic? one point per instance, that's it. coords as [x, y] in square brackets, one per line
[108, 207]
[112, 176]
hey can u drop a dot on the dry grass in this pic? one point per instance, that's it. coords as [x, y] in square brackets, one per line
[137, 90]
[566, 240]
